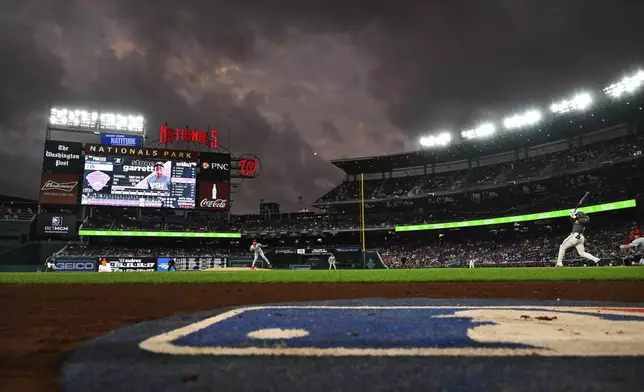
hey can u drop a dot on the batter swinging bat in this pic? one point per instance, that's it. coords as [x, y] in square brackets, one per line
[582, 200]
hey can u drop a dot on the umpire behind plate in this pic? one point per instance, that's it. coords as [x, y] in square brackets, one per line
[576, 238]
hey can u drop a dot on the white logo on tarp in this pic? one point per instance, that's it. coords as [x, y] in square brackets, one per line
[564, 331]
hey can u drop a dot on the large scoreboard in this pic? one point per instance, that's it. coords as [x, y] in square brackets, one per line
[134, 182]
[139, 177]
[119, 172]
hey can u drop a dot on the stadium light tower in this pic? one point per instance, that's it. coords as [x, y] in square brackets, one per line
[95, 121]
[579, 102]
[440, 140]
[531, 117]
[482, 131]
[628, 85]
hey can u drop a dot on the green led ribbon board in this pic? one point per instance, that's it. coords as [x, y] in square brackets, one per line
[116, 233]
[618, 205]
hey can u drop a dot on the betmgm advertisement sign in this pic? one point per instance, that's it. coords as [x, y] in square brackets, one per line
[58, 225]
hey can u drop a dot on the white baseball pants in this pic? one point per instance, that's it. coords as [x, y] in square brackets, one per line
[577, 241]
[262, 256]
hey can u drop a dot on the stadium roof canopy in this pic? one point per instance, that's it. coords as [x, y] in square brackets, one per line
[566, 126]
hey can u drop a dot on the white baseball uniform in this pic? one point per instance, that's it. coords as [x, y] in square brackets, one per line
[575, 239]
[471, 263]
[332, 262]
[638, 243]
[257, 250]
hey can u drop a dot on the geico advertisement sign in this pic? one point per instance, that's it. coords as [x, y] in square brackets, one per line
[75, 265]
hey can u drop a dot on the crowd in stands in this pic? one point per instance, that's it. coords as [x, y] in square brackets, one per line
[73, 250]
[122, 250]
[11, 212]
[497, 250]
[385, 218]
[604, 244]
[127, 220]
[529, 168]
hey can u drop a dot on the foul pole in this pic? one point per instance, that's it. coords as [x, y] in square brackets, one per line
[362, 223]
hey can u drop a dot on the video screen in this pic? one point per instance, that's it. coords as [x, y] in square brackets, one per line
[135, 182]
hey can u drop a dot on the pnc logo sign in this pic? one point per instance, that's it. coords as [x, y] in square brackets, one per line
[215, 166]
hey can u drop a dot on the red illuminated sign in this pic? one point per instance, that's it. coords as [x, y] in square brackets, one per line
[248, 167]
[169, 135]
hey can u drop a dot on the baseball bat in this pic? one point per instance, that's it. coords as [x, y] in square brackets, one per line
[582, 200]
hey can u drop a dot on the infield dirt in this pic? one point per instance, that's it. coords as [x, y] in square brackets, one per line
[42, 324]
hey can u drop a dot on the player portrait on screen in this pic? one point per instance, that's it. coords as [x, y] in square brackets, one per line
[158, 180]
[104, 267]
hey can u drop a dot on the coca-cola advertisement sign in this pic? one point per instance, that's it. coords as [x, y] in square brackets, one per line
[214, 196]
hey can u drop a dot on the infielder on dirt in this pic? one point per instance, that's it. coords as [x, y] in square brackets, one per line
[256, 248]
[576, 238]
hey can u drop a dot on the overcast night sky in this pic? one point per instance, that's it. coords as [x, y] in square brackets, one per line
[296, 77]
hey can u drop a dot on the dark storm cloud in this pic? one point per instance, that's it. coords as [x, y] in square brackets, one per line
[294, 78]
[464, 64]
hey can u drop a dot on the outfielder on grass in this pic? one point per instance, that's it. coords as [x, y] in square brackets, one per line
[576, 238]
[256, 248]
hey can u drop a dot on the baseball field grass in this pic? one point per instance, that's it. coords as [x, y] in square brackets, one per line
[341, 276]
